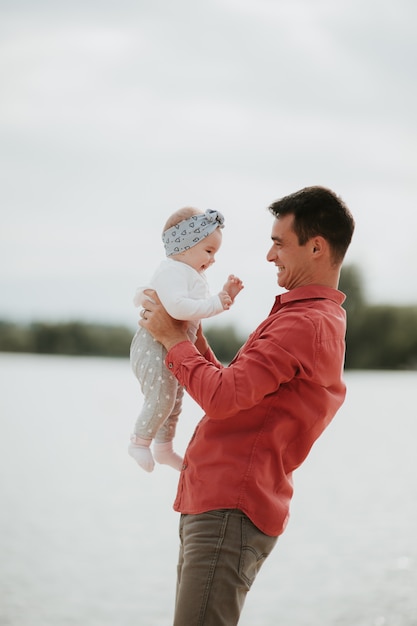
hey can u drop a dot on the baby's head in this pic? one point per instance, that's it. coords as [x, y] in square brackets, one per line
[193, 237]
[180, 215]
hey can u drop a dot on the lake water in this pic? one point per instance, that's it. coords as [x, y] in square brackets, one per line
[89, 539]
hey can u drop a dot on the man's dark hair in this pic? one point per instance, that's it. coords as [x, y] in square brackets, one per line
[318, 212]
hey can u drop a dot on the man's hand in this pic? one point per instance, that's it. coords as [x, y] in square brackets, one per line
[159, 323]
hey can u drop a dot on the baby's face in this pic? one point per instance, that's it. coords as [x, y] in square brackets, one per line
[202, 255]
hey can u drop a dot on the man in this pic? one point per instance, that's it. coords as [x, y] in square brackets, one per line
[262, 413]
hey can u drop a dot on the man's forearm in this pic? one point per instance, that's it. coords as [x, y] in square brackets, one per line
[201, 343]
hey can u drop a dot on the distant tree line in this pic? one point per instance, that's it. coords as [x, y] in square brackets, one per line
[71, 338]
[381, 336]
[82, 339]
[378, 336]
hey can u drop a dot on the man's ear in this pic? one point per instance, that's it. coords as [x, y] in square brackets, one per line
[318, 245]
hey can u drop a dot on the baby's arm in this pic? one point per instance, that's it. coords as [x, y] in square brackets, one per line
[183, 297]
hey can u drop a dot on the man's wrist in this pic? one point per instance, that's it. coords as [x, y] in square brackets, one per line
[170, 342]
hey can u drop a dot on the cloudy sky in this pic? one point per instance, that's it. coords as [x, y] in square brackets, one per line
[115, 114]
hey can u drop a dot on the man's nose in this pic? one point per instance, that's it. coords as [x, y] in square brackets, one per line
[270, 256]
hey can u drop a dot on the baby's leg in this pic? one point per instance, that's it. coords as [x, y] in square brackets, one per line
[163, 448]
[159, 388]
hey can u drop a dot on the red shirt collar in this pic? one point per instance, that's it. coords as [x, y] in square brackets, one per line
[309, 292]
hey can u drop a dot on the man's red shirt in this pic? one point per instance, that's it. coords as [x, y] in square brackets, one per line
[265, 410]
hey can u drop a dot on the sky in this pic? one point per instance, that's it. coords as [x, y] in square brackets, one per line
[113, 115]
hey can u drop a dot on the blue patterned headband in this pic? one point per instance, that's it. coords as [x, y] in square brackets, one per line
[191, 231]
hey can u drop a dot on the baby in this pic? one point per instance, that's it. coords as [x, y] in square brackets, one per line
[191, 239]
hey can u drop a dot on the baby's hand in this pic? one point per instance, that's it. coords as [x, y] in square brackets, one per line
[233, 286]
[225, 299]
